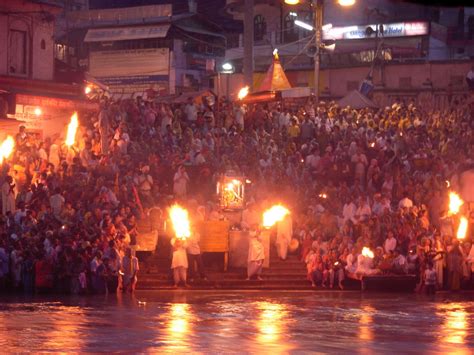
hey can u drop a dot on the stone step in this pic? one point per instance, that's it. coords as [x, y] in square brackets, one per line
[228, 277]
[234, 284]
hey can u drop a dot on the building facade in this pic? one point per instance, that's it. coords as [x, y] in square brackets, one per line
[373, 37]
[143, 49]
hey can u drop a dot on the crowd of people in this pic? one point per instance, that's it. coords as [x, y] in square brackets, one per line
[373, 178]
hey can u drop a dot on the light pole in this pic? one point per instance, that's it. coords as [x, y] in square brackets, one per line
[318, 13]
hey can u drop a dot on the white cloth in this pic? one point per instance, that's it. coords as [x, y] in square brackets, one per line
[405, 203]
[284, 235]
[180, 258]
[256, 249]
[57, 202]
[193, 244]
[389, 245]
[180, 183]
[349, 212]
[8, 198]
[191, 112]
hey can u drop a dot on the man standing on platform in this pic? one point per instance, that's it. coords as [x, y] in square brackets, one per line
[130, 269]
[196, 266]
[256, 254]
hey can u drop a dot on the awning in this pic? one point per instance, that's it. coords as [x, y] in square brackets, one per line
[198, 30]
[126, 33]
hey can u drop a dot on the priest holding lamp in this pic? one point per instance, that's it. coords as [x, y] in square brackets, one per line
[256, 253]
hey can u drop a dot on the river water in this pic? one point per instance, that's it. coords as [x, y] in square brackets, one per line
[232, 322]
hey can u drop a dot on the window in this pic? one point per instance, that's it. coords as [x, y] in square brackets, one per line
[290, 31]
[17, 53]
[43, 44]
[260, 28]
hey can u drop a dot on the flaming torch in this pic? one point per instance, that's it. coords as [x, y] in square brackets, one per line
[367, 253]
[273, 215]
[462, 229]
[243, 93]
[180, 220]
[455, 203]
[6, 148]
[71, 130]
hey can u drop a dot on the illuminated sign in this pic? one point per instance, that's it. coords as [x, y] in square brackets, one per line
[401, 29]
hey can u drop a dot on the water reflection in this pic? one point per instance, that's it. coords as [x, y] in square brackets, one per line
[65, 328]
[178, 329]
[455, 322]
[271, 321]
[365, 323]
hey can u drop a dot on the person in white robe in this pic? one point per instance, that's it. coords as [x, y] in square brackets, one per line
[8, 195]
[180, 180]
[284, 235]
[256, 255]
[179, 262]
[54, 155]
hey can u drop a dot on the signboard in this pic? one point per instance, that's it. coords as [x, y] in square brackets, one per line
[54, 103]
[132, 71]
[401, 29]
[214, 236]
[125, 33]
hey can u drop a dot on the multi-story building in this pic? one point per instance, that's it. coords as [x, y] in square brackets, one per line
[379, 37]
[135, 50]
[28, 93]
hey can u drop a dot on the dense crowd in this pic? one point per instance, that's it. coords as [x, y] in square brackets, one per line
[372, 178]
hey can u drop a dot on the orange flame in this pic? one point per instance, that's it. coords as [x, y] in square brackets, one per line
[273, 215]
[243, 93]
[455, 203]
[180, 220]
[71, 130]
[462, 229]
[6, 148]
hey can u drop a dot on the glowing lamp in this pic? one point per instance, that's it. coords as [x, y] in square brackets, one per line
[231, 192]
[346, 3]
[292, 2]
[38, 111]
[367, 253]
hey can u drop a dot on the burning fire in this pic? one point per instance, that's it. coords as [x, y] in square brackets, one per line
[367, 252]
[72, 129]
[179, 218]
[462, 229]
[6, 148]
[455, 203]
[273, 215]
[243, 93]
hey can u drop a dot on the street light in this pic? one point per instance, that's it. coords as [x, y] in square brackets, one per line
[227, 67]
[318, 6]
